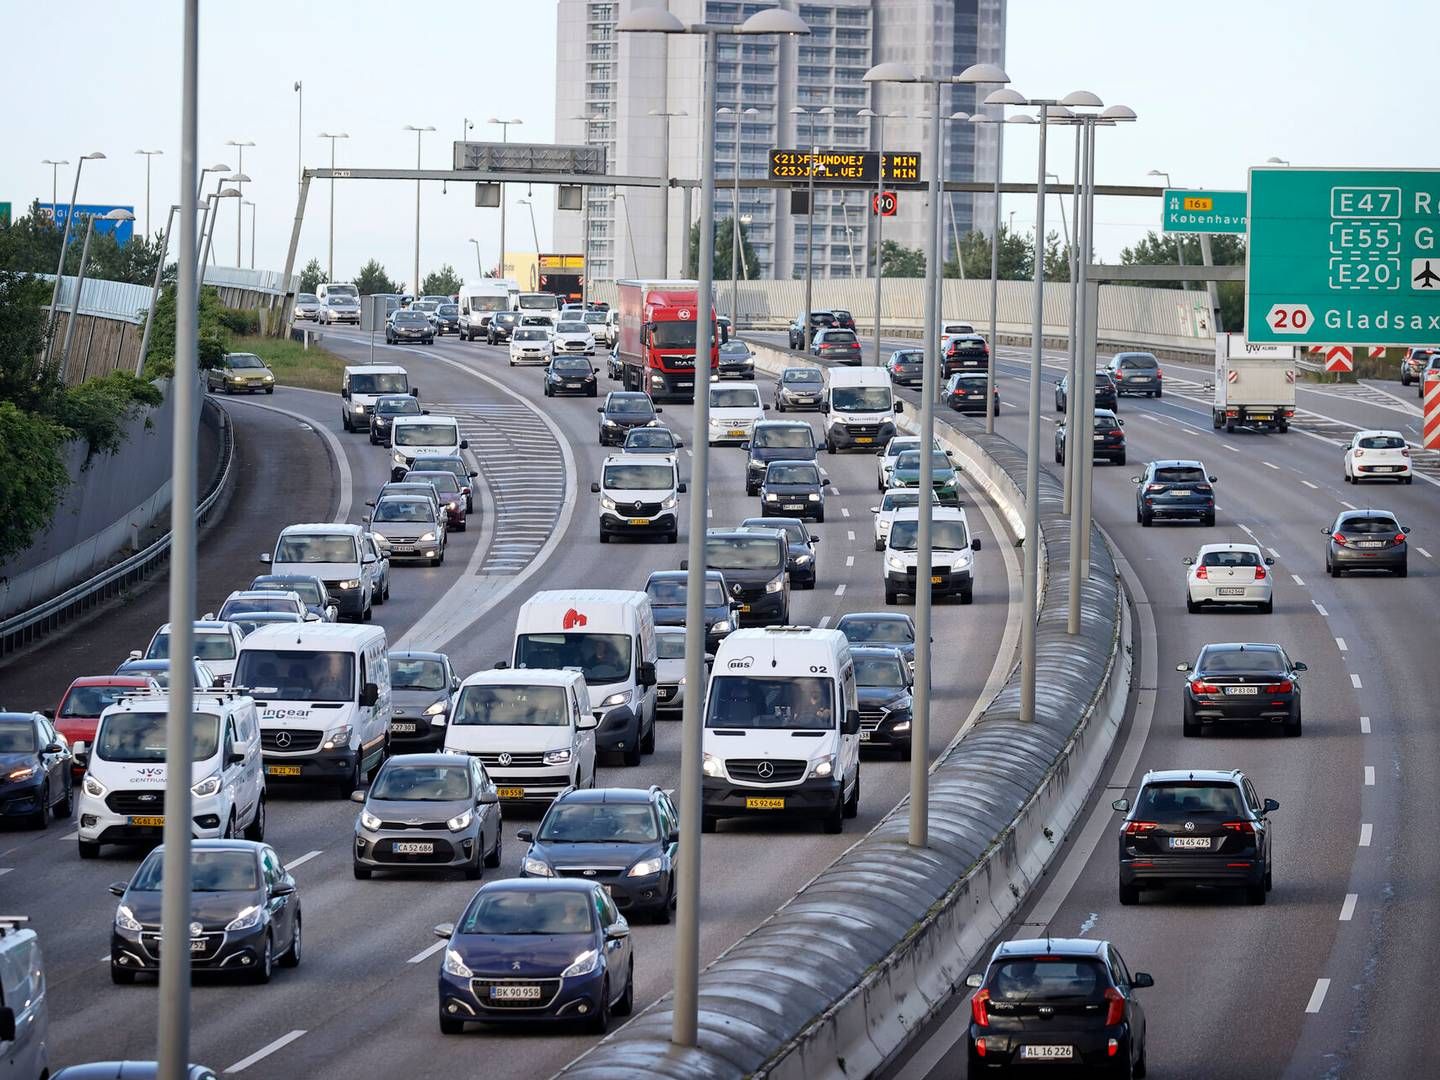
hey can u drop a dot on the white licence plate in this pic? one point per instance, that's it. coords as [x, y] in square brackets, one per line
[1190, 842]
[1242, 690]
[793, 506]
[1047, 1053]
[1370, 544]
[1099, 438]
[404, 729]
[1229, 591]
[514, 993]
[865, 735]
[1180, 491]
[197, 944]
[414, 847]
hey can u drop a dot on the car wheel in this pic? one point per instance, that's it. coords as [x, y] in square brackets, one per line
[1129, 895]
[492, 860]
[707, 823]
[229, 833]
[673, 537]
[820, 517]
[604, 537]
[1409, 479]
[967, 596]
[1255, 894]
[647, 741]
[1335, 570]
[1268, 607]
[1404, 570]
[779, 405]
[67, 804]
[1120, 460]
[362, 873]
[89, 849]
[1141, 1068]
[1191, 605]
[1190, 727]
[266, 967]
[256, 829]
[891, 596]
[1208, 521]
[626, 1005]
[852, 804]
[291, 957]
[879, 545]
[449, 1026]
[121, 977]
[834, 821]
[1146, 519]
[476, 867]
[600, 1022]
[1059, 458]
[41, 818]
[631, 754]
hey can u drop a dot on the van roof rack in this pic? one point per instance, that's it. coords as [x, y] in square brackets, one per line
[12, 922]
[154, 693]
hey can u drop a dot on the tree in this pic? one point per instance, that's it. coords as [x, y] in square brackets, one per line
[749, 261]
[1016, 256]
[1226, 248]
[373, 279]
[213, 338]
[311, 276]
[899, 261]
[32, 476]
[442, 282]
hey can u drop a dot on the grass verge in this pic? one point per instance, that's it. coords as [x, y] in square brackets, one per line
[314, 368]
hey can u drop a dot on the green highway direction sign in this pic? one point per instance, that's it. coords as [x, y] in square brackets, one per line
[1189, 211]
[1349, 255]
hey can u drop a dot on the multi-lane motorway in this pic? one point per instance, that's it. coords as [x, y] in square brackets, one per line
[363, 1003]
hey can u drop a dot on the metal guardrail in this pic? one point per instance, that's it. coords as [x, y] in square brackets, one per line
[27, 627]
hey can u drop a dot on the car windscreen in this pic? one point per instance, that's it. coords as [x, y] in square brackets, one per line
[205, 647]
[1047, 978]
[1374, 525]
[734, 397]
[1138, 360]
[18, 737]
[1220, 661]
[570, 365]
[538, 302]
[403, 510]
[802, 375]
[447, 310]
[650, 437]
[676, 335]
[792, 474]
[900, 498]
[249, 622]
[600, 823]
[1381, 442]
[572, 328]
[426, 435]
[343, 291]
[749, 701]
[670, 646]
[415, 674]
[531, 334]
[424, 306]
[443, 482]
[140, 736]
[528, 911]
[1180, 474]
[410, 318]
[297, 674]
[860, 398]
[879, 671]
[302, 548]
[398, 406]
[382, 383]
[944, 536]
[1189, 797]
[735, 348]
[743, 553]
[910, 459]
[795, 531]
[254, 603]
[1230, 558]
[877, 631]
[310, 591]
[88, 701]
[797, 437]
[630, 405]
[307, 298]
[422, 783]
[493, 705]
[639, 477]
[604, 658]
[243, 360]
[210, 871]
[594, 318]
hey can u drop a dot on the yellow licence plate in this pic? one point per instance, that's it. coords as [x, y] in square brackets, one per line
[148, 822]
[755, 802]
[511, 792]
[935, 580]
[639, 521]
[282, 770]
[744, 608]
[736, 433]
[863, 439]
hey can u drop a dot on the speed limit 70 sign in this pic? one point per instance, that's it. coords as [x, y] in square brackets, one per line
[1290, 319]
[885, 203]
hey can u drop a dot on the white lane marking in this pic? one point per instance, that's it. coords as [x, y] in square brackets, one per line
[824, 621]
[1347, 909]
[1269, 466]
[1321, 609]
[6, 869]
[1312, 487]
[1340, 644]
[1369, 775]
[849, 560]
[1355, 682]
[1366, 832]
[302, 860]
[427, 952]
[1347, 505]
[850, 535]
[1364, 725]
[1230, 448]
[1423, 552]
[844, 511]
[1274, 554]
[265, 1051]
[709, 512]
[834, 490]
[1297, 580]
[1317, 996]
[840, 589]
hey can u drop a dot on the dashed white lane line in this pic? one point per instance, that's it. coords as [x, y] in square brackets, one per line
[1230, 448]
[1364, 725]
[302, 860]
[427, 952]
[844, 511]
[1347, 909]
[849, 560]
[6, 869]
[1270, 466]
[1369, 775]
[1317, 996]
[1340, 644]
[1366, 832]
[265, 1051]
[1355, 682]
[1312, 487]
[840, 589]
[1347, 505]
[1423, 552]
[1297, 580]
[849, 534]
[824, 621]
[1321, 609]
[834, 491]
[709, 511]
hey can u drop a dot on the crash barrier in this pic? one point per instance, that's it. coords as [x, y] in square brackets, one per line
[840, 978]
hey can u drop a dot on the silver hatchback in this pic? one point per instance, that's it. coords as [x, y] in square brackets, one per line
[428, 812]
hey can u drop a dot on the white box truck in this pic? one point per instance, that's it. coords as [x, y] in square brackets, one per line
[1254, 384]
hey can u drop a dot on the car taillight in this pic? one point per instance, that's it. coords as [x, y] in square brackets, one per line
[1203, 487]
[980, 1046]
[1198, 686]
[1135, 828]
[1115, 433]
[1359, 453]
[1284, 686]
[1399, 538]
[1259, 573]
[1159, 374]
[1202, 573]
[1153, 489]
[1339, 538]
[1405, 453]
[978, 1011]
[1246, 827]
[1119, 376]
[1115, 1013]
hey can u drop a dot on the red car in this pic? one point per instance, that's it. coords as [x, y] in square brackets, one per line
[79, 711]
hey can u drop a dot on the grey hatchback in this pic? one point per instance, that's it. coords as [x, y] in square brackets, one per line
[1367, 540]
[420, 687]
[428, 811]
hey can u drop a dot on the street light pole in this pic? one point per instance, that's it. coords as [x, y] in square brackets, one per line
[54, 186]
[419, 134]
[299, 131]
[64, 242]
[244, 203]
[480, 270]
[879, 119]
[240, 146]
[155, 290]
[505, 138]
[629, 233]
[1068, 467]
[665, 118]
[148, 155]
[116, 215]
[330, 267]
[534, 232]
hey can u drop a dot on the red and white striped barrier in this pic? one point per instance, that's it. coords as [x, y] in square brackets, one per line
[1376, 352]
[1430, 426]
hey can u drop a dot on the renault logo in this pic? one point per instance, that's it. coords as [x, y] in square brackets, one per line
[282, 740]
[765, 770]
[735, 589]
[638, 504]
[504, 759]
[1189, 826]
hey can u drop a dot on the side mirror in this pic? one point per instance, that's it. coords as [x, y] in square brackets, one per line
[117, 888]
[414, 391]
[135, 654]
[587, 722]
[526, 835]
[1119, 422]
[367, 519]
[899, 406]
[709, 658]
[369, 694]
[284, 888]
[814, 538]
[310, 616]
[235, 758]
[345, 392]
[975, 543]
[1134, 479]
[1269, 806]
[265, 557]
[646, 673]
[454, 683]
[764, 408]
[600, 408]
[825, 482]
[658, 409]
[950, 453]
[1122, 805]
[424, 412]
[80, 749]
[1141, 980]
[473, 475]
[851, 723]
[332, 612]
[975, 980]
[1405, 529]
[617, 931]
[501, 665]
[1182, 667]
[874, 509]
[1188, 560]
[595, 487]
[680, 488]
[357, 796]
[684, 564]
[1269, 561]
[673, 837]
[1325, 529]
[824, 406]
[679, 444]
[488, 797]
[445, 931]
[49, 714]
[464, 444]
[1302, 667]
[1213, 479]
[745, 445]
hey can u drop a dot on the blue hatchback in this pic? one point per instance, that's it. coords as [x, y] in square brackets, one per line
[538, 950]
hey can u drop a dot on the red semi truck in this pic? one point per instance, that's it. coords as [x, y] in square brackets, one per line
[657, 337]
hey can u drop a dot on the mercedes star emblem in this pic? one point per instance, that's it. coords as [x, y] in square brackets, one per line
[282, 739]
[1189, 826]
[504, 759]
[765, 770]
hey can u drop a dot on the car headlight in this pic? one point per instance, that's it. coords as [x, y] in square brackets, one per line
[94, 788]
[814, 496]
[804, 560]
[439, 708]
[824, 767]
[461, 821]
[669, 503]
[610, 423]
[621, 698]
[713, 766]
[353, 583]
[775, 585]
[894, 562]
[25, 772]
[427, 538]
[607, 503]
[451, 506]
[902, 726]
[584, 964]
[962, 558]
[125, 920]
[645, 867]
[536, 867]
[207, 787]
[336, 738]
[721, 627]
[358, 407]
[399, 458]
[453, 965]
[557, 757]
[268, 378]
[770, 496]
[382, 421]
[248, 919]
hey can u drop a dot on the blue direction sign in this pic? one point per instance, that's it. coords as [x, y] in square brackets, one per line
[123, 230]
[1192, 211]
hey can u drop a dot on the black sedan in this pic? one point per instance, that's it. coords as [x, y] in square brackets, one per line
[1242, 683]
[652, 440]
[1104, 393]
[1109, 438]
[843, 318]
[623, 410]
[35, 770]
[409, 325]
[841, 346]
[624, 838]
[1367, 540]
[801, 558]
[667, 592]
[1195, 827]
[1175, 489]
[965, 392]
[1057, 1002]
[906, 367]
[819, 320]
[964, 352]
[501, 326]
[736, 361]
[799, 388]
[244, 913]
[570, 375]
[892, 629]
[793, 489]
[447, 319]
[882, 687]
[387, 407]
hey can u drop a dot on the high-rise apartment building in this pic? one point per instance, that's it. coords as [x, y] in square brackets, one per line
[639, 95]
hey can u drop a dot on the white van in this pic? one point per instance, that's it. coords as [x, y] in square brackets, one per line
[735, 409]
[859, 408]
[609, 634]
[337, 554]
[412, 437]
[782, 728]
[362, 384]
[122, 798]
[323, 691]
[639, 496]
[952, 564]
[479, 300]
[24, 1011]
[533, 731]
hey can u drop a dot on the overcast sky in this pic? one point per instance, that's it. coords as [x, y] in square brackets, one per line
[1218, 85]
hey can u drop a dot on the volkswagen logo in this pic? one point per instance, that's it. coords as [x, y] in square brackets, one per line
[504, 759]
[765, 770]
[1189, 826]
[282, 739]
[196, 929]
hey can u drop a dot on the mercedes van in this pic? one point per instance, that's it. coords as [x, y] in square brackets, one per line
[323, 691]
[782, 728]
[361, 384]
[339, 555]
[859, 407]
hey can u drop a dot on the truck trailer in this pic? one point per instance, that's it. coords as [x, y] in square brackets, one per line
[1254, 384]
[657, 337]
